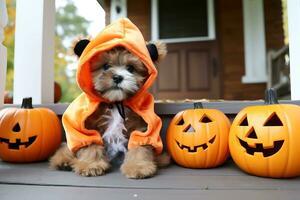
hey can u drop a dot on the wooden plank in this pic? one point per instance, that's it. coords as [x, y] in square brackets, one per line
[294, 40]
[34, 51]
[24, 192]
[3, 51]
[227, 177]
[138, 11]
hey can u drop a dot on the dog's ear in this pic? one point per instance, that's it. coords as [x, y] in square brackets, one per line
[157, 51]
[79, 46]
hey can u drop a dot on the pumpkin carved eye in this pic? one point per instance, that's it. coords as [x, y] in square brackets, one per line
[180, 122]
[273, 120]
[244, 122]
[16, 128]
[205, 119]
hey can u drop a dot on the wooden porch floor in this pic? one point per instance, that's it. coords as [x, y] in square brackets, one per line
[36, 181]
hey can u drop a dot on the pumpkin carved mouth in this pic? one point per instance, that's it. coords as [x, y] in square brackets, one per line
[267, 151]
[195, 148]
[18, 143]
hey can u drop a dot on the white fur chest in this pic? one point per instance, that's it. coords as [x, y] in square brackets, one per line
[114, 139]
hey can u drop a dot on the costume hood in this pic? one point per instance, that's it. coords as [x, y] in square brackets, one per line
[120, 33]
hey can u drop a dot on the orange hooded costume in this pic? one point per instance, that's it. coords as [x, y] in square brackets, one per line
[120, 33]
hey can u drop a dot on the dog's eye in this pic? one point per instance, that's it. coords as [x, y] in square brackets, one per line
[105, 66]
[130, 68]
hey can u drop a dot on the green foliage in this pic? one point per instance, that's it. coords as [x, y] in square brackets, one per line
[9, 42]
[68, 26]
[285, 21]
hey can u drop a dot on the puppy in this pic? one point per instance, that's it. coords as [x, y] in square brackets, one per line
[117, 75]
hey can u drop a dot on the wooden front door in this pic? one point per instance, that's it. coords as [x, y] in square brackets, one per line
[190, 70]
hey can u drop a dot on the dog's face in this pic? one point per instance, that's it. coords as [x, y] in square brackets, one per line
[117, 74]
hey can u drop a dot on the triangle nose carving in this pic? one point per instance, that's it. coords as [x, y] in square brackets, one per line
[17, 128]
[252, 134]
[189, 128]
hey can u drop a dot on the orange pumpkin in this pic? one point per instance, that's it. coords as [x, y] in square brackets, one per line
[28, 134]
[198, 138]
[264, 140]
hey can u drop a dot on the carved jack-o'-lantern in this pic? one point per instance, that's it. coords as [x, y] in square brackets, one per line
[264, 140]
[198, 138]
[28, 134]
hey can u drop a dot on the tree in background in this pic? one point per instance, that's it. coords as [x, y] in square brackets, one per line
[9, 42]
[285, 21]
[68, 26]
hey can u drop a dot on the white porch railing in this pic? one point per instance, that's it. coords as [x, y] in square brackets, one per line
[3, 52]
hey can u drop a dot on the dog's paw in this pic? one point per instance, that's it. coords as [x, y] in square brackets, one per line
[139, 170]
[62, 159]
[139, 163]
[64, 166]
[95, 168]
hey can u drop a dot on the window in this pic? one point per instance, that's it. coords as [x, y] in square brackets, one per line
[181, 21]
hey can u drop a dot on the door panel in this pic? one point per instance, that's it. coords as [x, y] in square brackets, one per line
[170, 73]
[190, 70]
[197, 70]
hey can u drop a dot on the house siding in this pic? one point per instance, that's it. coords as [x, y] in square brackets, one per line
[139, 12]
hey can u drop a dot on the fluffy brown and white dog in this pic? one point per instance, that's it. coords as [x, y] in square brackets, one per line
[117, 75]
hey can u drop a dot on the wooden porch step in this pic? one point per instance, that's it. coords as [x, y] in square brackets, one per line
[9, 192]
[36, 181]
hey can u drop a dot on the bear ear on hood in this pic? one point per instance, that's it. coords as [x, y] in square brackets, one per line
[80, 45]
[157, 50]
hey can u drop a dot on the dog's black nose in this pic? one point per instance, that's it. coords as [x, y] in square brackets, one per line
[117, 78]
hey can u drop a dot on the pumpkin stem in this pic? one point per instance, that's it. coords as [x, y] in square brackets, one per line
[198, 105]
[271, 96]
[27, 103]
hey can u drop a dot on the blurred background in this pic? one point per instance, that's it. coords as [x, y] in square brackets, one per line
[206, 41]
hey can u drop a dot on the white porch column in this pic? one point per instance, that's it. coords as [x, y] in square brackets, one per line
[3, 53]
[34, 51]
[294, 40]
[254, 42]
